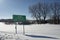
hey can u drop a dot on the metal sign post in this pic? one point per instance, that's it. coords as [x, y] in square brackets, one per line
[23, 30]
[16, 27]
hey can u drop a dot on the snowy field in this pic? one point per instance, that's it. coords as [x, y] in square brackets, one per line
[32, 32]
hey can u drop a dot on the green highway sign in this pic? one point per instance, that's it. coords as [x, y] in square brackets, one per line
[19, 18]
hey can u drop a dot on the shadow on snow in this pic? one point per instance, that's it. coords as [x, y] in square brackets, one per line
[36, 36]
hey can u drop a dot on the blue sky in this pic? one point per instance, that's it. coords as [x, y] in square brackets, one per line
[18, 7]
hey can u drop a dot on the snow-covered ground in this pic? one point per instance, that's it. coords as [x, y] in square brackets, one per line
[32, 32]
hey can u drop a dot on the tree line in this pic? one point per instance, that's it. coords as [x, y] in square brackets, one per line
[46, 11]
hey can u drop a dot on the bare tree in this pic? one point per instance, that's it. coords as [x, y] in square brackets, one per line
[35, 11]
[44, 11]
[55, 8]
[58, 12]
